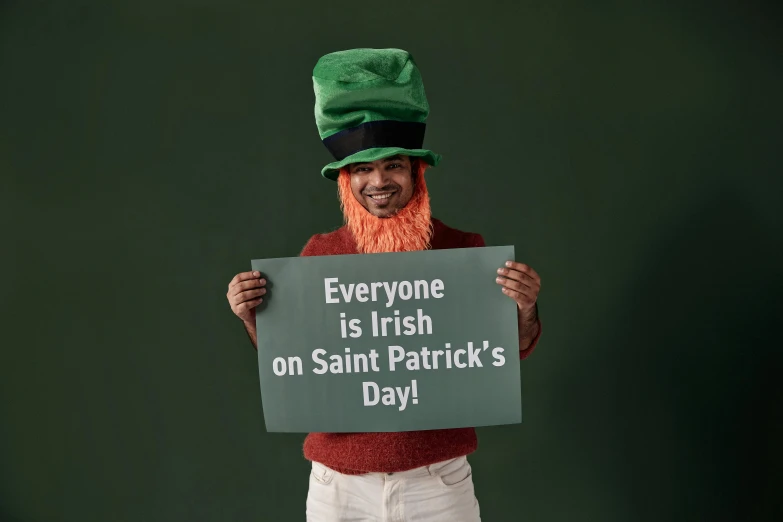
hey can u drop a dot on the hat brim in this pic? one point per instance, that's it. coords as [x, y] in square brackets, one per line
[332, 170]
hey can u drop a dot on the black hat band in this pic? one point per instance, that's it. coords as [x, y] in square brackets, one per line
[376, 134]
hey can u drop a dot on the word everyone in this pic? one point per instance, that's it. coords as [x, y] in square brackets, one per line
[363, 292]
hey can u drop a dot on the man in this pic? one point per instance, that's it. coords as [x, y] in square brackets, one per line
[370, 112]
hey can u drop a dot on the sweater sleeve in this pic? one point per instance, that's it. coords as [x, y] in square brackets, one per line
[475, 240]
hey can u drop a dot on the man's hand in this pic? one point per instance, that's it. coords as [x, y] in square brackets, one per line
[522, 284]
[244, 294]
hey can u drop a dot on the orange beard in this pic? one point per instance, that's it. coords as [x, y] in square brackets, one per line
[409, 229]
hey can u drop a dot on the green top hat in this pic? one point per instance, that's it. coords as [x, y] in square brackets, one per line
[369, 105]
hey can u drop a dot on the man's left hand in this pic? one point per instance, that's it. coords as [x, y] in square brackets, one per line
[522, 284]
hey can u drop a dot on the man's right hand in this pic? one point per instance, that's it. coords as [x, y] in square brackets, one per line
[244, 294]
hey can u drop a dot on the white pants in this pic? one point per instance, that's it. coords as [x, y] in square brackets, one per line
[440, 492]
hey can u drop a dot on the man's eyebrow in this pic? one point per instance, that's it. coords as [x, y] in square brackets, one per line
[396, 157]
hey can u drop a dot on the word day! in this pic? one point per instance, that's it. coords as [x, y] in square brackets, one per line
[372, 393]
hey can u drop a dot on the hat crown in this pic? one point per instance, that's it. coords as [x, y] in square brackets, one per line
[361, 65]
[358, 86]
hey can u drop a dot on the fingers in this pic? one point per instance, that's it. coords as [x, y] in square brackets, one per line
[519, 277]
[239, 285]
[520, 282]
[524, 269]
[244, 276]
[246, 285]
[516, 279]
[248, 295]
[245, 292]
[248, 305]
[509, 285]
[523, 300]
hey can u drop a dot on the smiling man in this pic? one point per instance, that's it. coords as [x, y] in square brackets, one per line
[389, 199]
[371, 111]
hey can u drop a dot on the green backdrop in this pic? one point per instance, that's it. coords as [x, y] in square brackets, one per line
[629, 150]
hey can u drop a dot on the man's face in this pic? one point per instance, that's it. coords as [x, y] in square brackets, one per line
[383, 187]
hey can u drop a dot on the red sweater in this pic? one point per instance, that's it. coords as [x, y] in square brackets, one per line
[357, 453]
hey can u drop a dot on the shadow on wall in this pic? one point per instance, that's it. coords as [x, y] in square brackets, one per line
[684, 407]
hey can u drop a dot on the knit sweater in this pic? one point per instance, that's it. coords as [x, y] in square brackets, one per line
[358, 453]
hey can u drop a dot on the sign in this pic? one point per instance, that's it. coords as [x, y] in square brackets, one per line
[388, 342]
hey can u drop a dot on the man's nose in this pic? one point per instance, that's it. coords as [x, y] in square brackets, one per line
[378, 178]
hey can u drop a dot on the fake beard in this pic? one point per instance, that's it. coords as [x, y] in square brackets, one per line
[409, 229]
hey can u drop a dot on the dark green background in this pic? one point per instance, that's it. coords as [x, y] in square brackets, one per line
[630, 151]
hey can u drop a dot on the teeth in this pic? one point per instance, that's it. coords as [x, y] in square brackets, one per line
[381, 196]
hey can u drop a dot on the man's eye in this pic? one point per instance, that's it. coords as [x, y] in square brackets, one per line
[395, 165]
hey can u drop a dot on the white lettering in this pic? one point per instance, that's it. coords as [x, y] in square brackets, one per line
[356, 330]
[473, 356]
[424, 319]
[375, 287]
[368, 387]
[394, 359]
[402, 393]
[347, 294]
[390, 292]
[337, 364]
[388, 396]
[318, 360]
[436, 288]
[418, 289]
[413, 361]
[420, 286]
[500, 359]
[361, 292]
[457, 362]
[435, 354]
[329, 290]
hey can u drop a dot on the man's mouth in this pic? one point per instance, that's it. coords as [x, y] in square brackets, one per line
[382, 196]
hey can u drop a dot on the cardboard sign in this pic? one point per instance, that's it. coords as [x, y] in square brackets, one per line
[388, 342]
